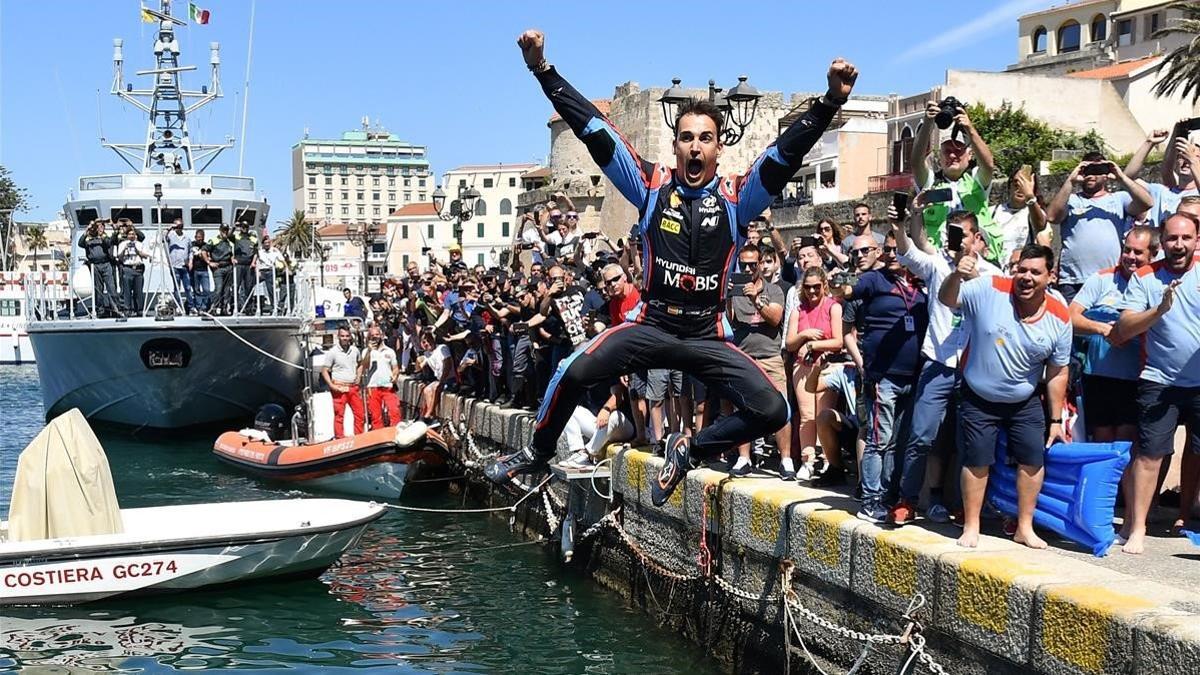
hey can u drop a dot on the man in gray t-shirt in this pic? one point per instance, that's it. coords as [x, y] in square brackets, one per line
[756, 316]
[179, 254]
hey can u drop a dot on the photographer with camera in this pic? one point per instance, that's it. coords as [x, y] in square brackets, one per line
[941, 348]
[1092, 220]
[965, 177]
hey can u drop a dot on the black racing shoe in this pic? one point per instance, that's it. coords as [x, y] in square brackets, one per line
[677, 461]
[507, 467]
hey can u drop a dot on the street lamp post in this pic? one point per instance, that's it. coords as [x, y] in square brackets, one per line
[738, 107]
[363, 235]
[460, 211]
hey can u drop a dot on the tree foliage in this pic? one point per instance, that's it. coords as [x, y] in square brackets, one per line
[13, 198]
[1181, 68]
[1015, 138]
[296, 235]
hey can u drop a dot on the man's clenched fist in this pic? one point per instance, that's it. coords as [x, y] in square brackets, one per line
[532, 43]
[842, 75]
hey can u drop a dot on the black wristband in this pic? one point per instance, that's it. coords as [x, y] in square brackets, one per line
[1056, 420]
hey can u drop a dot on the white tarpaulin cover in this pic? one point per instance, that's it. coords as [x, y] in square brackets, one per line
[63, 487]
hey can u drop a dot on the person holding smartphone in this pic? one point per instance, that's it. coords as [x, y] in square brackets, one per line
[1092, 219]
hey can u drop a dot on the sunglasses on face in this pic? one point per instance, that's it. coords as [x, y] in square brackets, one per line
[613, 280]
[864, 250]
[889, 249]
[813, 287]
[749, 264]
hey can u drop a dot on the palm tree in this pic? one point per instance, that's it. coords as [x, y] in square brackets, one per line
[1181, 68]
[296, 235]
[35, 240]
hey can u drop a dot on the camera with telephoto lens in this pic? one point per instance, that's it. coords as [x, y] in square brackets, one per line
[947, 109]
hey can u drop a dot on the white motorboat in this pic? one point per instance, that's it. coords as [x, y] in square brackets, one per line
[184, 547]
[67, 541]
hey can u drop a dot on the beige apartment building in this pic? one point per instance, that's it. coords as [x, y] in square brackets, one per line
[361, 177]
[494, 217]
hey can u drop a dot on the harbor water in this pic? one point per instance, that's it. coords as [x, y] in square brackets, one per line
[422, 592]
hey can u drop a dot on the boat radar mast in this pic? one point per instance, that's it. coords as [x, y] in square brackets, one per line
[168, 147]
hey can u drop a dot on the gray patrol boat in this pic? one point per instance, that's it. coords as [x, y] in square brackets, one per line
[157, 367]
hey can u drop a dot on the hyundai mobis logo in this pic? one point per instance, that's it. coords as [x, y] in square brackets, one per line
[683, 277]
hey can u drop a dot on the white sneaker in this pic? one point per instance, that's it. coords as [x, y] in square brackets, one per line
[805, 472]
[580, 460]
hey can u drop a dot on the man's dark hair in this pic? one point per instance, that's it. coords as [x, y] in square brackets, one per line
[750, 248]
[700, 106]
[860, 205]
[1093, 156]
[1152, 232]
[1032, 251]
[963, 216]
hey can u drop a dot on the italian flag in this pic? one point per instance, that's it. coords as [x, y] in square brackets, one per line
[196, 14]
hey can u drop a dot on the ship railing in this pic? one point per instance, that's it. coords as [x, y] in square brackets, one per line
[51, 296]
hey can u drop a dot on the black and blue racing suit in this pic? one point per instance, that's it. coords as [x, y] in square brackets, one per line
[690, 239]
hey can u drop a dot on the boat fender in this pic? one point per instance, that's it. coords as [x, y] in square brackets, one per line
[410, 433]
[256, 435]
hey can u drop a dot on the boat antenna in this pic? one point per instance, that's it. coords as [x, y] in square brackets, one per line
[246, 91]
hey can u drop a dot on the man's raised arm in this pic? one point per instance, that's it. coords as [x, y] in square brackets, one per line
[772, 170]
[615, 157]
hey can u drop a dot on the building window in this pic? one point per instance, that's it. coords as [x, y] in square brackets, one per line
[480, 208]
[422, 196]
[312, 194]
[407, 182]
[312, 208]
[329, 180]
[391, 196]
[343, 169]
[345, 195]
[504, 229]
[1039, 40]
[375, 182]
[1124, 32]
[421, 183]
[312, 180]
[374, 196]
[407, 196]
[488, 182]
[10, 308]
[1099, 28]
[479, 230]
[1153, 22]
[1068, 37]
[360, 209]
[404, 232]
[512, 182]
[479, 260]
[360, 181]
[431, 232]
[328, 195]
[328, 210]
[462, 182]
[404, 260]
[359, 194]
[391, 182]
[345, 210]
[505, 207]
[375, 210]
[391, 208]
[345, 182]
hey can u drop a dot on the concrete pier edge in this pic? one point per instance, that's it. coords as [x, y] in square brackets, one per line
[997, 609]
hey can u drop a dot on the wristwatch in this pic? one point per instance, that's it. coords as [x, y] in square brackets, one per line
[760, 302]
[1055, 420]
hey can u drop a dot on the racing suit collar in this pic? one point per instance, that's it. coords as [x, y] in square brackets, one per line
[692, 193]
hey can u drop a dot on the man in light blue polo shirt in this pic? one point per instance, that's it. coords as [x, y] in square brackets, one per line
[1175, 170]
[1093, 219]
[1162, 305]
[1111, 368]
[1016, 330]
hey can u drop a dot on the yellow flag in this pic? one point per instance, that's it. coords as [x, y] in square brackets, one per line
[147, 17]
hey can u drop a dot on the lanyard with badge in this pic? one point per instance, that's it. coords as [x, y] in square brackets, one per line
[910, 323]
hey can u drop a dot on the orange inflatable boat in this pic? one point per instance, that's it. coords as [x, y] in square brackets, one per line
[376, 464]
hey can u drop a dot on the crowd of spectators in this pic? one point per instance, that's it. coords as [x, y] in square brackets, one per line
[905, 354]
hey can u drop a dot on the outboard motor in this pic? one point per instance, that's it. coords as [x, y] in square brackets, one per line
[272, 420]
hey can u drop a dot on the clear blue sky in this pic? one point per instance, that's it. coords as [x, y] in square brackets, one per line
[447, 75]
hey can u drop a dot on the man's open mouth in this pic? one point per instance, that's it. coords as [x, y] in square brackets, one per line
[695, 168]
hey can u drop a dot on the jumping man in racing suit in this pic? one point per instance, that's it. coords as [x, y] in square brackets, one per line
[692, 223]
